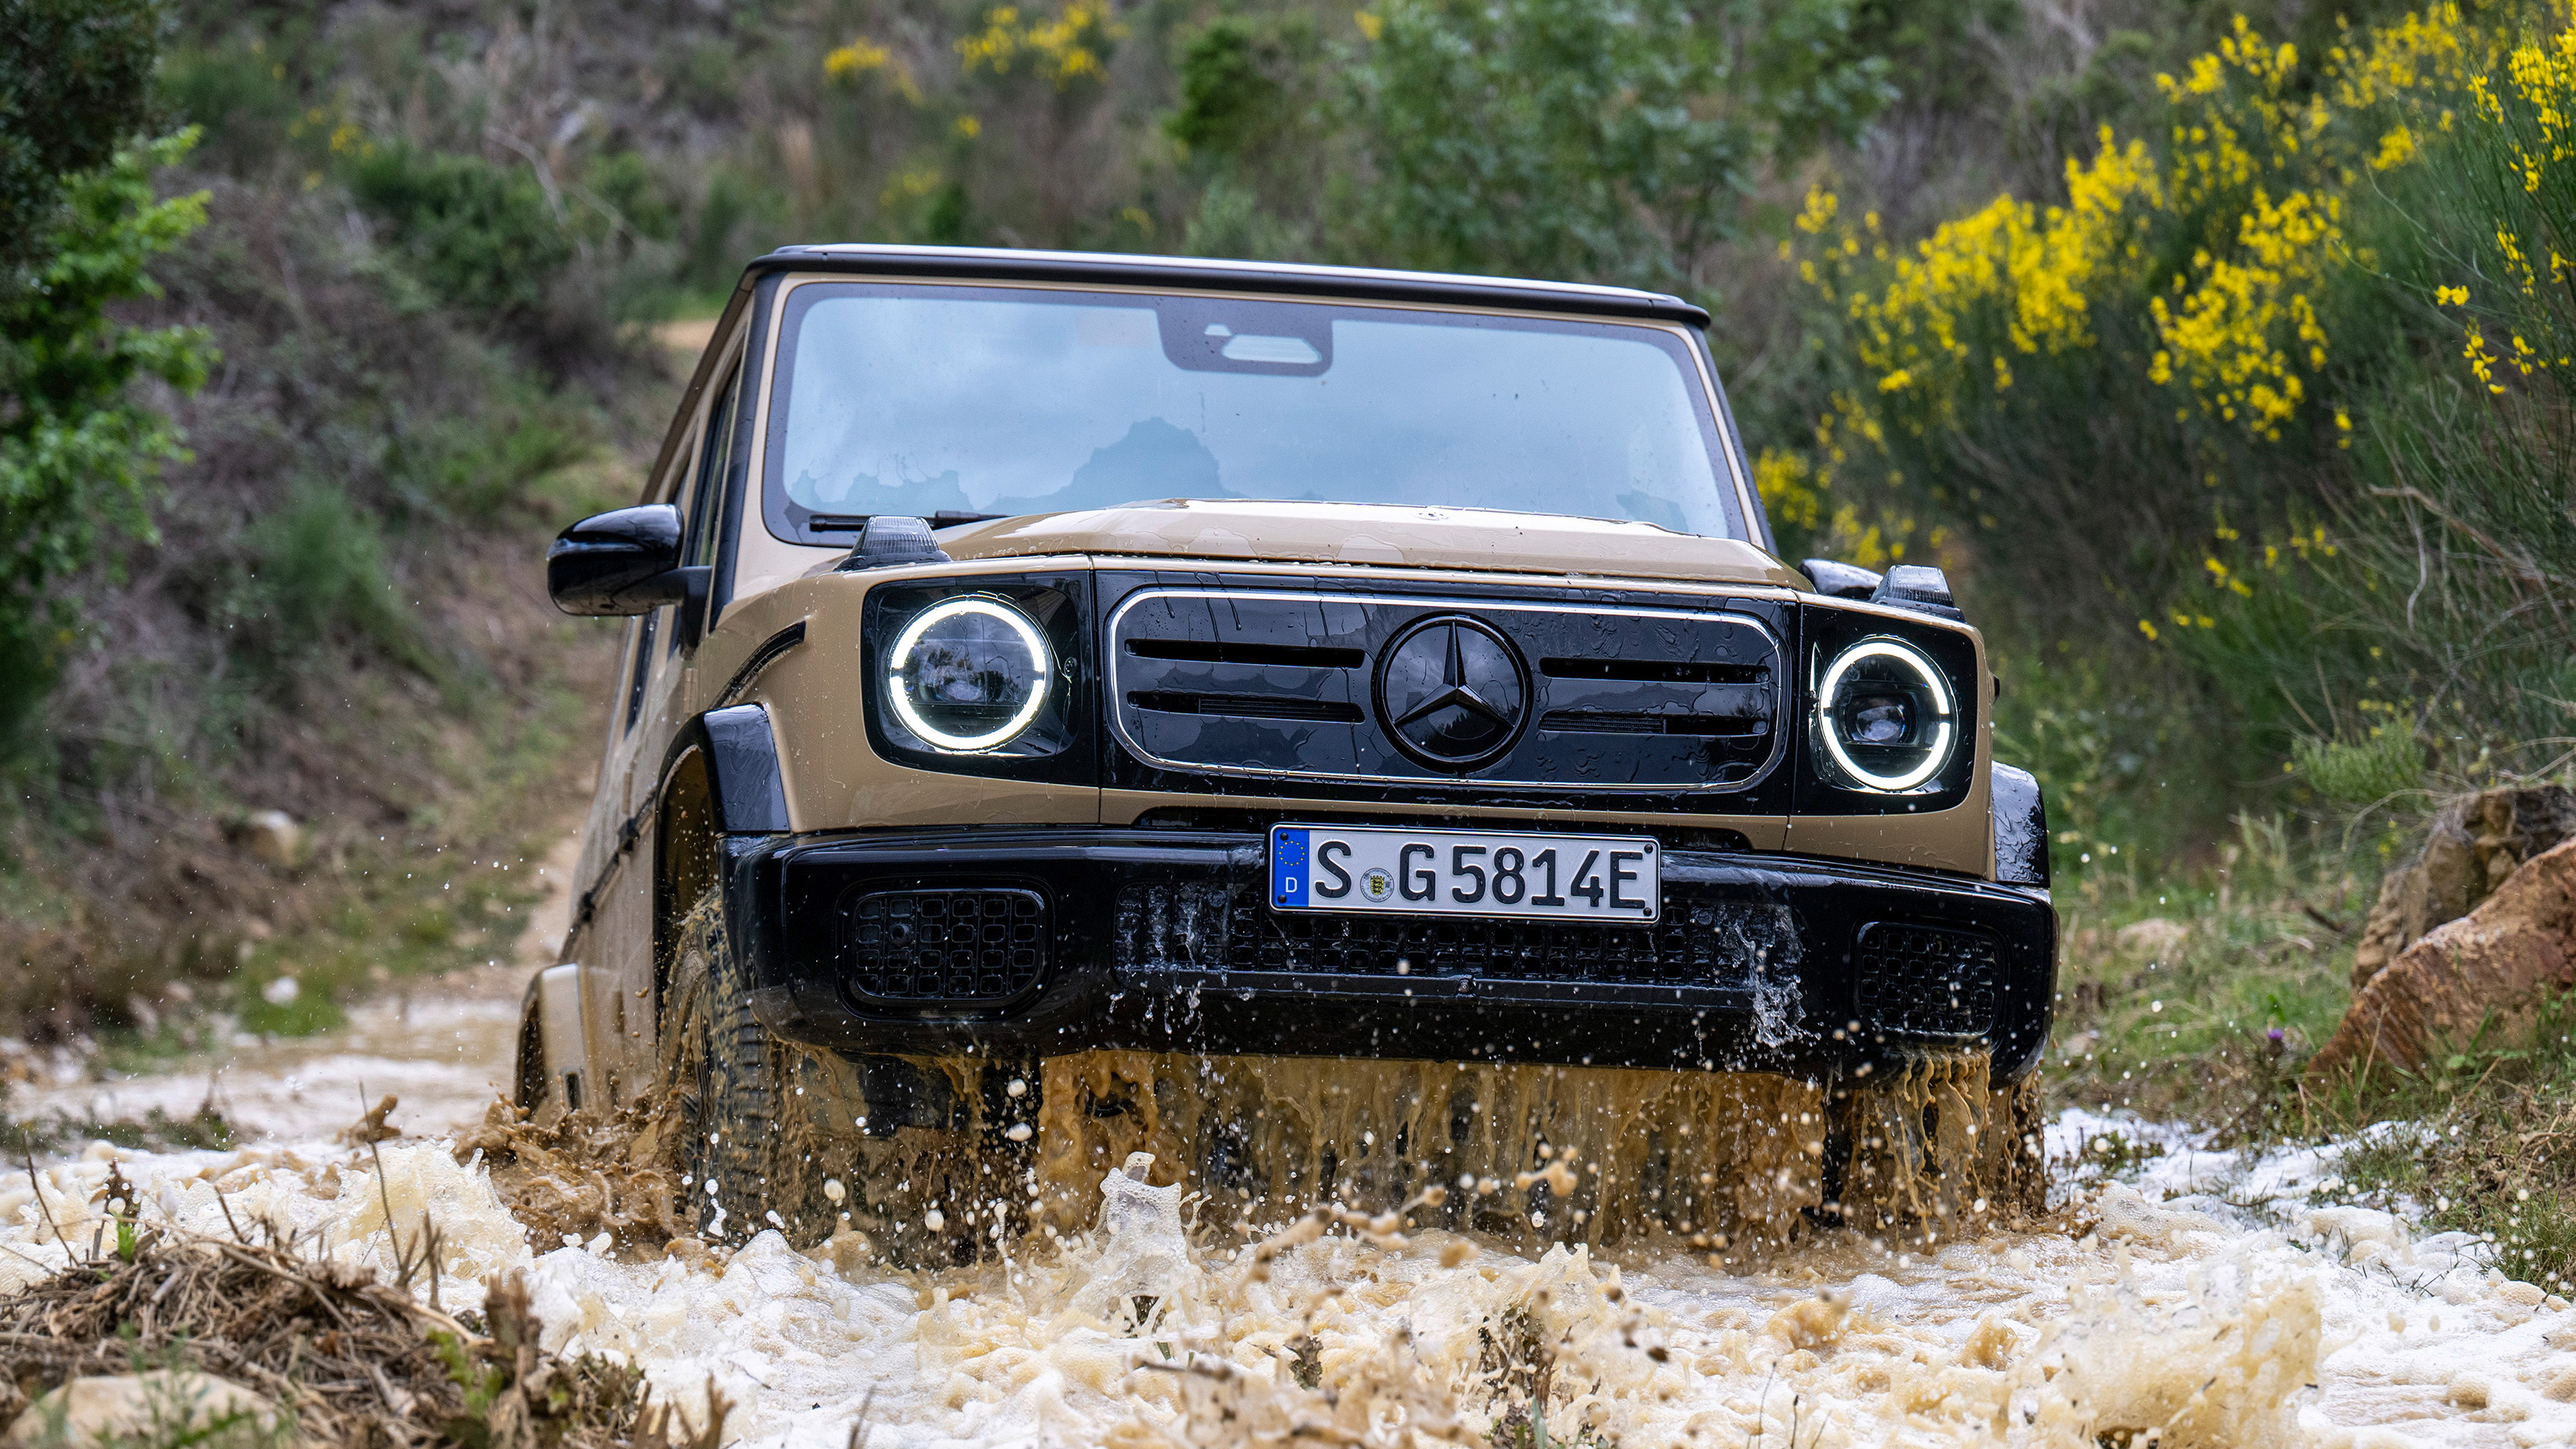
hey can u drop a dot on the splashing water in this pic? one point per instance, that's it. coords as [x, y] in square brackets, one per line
[2197, 1305]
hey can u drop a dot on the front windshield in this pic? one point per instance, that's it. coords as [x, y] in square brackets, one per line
[999, 401]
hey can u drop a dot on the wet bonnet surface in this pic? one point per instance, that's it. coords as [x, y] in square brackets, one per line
[2208, 1301]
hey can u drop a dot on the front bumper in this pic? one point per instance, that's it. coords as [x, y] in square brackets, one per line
[1069, 939]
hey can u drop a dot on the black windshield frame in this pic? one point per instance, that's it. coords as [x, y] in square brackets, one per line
[791, 522]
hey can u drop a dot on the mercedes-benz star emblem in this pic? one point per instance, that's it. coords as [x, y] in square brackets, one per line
[1452, 692]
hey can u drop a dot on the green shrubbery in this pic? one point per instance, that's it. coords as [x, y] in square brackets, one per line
[2267, 415]
[79, 451]
[486, 238]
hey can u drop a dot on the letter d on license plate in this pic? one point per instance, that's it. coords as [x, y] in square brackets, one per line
[1607, 880]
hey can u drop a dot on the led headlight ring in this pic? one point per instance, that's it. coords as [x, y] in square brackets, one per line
[1041, 670]
[1936, 754]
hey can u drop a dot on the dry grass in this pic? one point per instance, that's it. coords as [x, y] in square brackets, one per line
[351, 1358]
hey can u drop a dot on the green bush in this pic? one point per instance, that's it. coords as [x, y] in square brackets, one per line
[242, 95]
[74, 85]
[320, 575]
[79, 452]
[2379, 766]
[1563, 138]
[485, 239]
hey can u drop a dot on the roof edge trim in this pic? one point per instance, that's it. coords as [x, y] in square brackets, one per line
[1280, 278]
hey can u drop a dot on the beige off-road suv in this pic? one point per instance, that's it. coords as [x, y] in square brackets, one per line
[1077, 695]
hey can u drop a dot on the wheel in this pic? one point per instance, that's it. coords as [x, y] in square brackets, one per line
[745, 1164]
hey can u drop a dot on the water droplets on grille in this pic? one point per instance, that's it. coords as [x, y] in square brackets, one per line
[1226, 927]
[944, 946]
[1927, 980]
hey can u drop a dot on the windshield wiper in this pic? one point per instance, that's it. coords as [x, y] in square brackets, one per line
[858, 522]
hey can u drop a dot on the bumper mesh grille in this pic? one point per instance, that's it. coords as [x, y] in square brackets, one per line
[945, 946]
[1927, 980]
[1697, 943]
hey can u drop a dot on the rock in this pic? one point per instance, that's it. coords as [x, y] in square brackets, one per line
[2474, 843]
[2151, 937]
[273, 836]
[2500, 959]
[157, 1408]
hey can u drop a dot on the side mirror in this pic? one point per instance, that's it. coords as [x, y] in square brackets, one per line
[623, 562]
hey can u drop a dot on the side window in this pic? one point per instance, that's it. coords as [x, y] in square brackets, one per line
[643, 668]
[704, 499]
[706, 519]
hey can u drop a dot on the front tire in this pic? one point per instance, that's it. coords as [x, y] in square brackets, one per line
[743, 1167]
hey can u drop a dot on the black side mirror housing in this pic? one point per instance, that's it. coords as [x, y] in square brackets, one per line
[622, 562]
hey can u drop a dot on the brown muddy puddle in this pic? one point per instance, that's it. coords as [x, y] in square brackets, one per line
[2206, 1304]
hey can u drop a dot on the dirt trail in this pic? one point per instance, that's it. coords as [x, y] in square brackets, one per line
[444, 1046]
[2217, 1299]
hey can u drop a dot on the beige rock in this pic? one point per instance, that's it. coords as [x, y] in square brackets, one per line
[2475, 843]
[2562, 1389]
[2499, 960]
[273, 836]
[2152, 936]
[157, 1406]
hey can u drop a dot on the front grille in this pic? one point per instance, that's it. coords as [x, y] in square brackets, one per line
[1616, 697]
[1221, 927]
[938, 947]
[1926, 980]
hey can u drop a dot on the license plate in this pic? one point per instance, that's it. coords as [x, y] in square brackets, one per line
[1603, 879]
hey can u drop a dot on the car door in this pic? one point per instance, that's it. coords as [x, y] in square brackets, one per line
[650, 704]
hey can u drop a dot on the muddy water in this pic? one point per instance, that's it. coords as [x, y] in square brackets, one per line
[2210, 1298]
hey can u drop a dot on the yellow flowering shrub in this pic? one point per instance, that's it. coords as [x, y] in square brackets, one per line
[1063, 48]
[2251, 183]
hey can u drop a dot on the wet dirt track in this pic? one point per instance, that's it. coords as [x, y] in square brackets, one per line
[2209, 1298]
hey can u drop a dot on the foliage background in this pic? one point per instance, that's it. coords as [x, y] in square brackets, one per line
[2173, 330]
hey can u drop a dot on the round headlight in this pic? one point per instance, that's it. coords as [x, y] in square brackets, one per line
[1883, 712]
[969, 674]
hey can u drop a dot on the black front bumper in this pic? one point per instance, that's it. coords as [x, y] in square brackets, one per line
[1037, 942]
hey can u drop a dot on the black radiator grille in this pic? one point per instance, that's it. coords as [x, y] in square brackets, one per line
[1283, 683]
[1218, 927]
[1926, 980]
[939, 947]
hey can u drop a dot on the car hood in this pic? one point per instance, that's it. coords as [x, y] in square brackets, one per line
[1368, 533]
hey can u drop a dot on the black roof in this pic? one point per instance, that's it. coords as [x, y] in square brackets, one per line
[1197, 274]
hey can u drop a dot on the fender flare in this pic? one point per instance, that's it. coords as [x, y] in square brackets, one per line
[2019, 812]
[743, 775]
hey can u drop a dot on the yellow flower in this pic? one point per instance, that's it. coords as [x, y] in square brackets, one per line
[855, 58]
[2451, 296]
